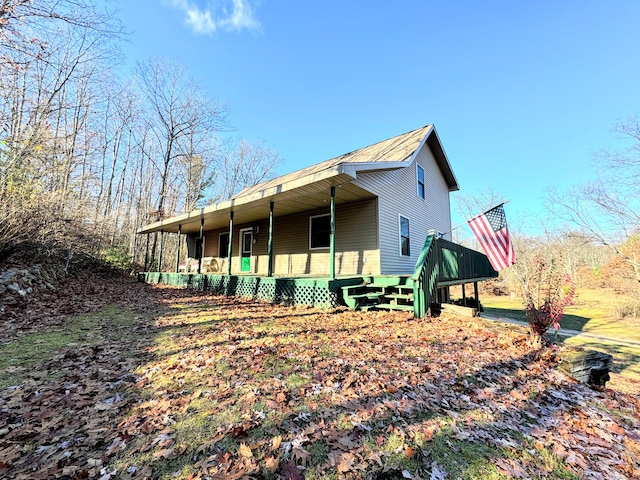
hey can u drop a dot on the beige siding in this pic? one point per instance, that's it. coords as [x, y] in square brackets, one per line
[356, 243]
[398, 195]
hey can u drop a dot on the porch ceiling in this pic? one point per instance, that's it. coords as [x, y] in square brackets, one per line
[253, 208]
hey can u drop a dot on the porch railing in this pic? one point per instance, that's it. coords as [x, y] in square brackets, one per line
[442, 263]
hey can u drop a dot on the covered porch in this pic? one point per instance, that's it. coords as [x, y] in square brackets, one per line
[441, 264]
[252, 234]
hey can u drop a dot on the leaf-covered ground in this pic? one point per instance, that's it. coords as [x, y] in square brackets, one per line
[167, 383]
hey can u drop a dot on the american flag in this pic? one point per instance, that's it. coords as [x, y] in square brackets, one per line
[491, 231]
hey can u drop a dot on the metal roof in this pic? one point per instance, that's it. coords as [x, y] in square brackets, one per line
[308, 188]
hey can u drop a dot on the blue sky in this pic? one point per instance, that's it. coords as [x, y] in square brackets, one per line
[521, 93]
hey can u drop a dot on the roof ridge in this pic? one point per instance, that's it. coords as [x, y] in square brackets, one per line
[396, 142]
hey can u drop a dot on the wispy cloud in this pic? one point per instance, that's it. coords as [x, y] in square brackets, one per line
[231, 15]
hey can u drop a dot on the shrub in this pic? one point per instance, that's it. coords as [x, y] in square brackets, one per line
[627, 310]
[119, 258]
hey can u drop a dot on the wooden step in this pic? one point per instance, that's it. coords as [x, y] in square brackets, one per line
[367, 294]
[390, 306]
[400, 296]
[405, 287]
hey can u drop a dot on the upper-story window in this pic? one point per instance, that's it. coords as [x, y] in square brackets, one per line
[319, 231]
[420, 181]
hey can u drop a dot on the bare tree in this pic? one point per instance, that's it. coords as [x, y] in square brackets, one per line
[608, 208]
[27, 26]
[182, 118]
[243, 165]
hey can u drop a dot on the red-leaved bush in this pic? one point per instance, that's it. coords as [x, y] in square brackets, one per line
[546, 291]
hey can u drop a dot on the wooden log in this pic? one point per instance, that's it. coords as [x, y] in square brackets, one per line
[467, 311]
[587, 366]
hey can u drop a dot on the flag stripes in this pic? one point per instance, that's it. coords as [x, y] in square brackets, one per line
[492, 233]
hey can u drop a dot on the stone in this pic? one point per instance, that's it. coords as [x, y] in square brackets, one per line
[9, 300]
[587, 366]
[13, 287]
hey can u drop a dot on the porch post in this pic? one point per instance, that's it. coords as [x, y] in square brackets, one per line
[270, 243]
[160, 251]
[229, 247]
[201, 245]
[332, 236]
[464, 297]
[178, 251]
[475, 293]
[146, 254]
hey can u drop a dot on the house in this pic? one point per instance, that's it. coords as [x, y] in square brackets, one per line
[366, 213]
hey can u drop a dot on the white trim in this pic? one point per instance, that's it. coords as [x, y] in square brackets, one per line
[424, 186]
[400, 217]
[316, 216]
[228, 240]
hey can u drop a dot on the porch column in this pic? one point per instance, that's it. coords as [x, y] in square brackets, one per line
[201, 245]
[160, 251]
[270, 243]
[229, 247]
[178, 251]
[332, 236]
[146, 255]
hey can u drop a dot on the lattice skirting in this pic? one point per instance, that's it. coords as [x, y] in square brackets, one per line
[322, 293]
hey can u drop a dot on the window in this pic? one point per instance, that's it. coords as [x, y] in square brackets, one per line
[319, 231]
[404, 237]
[223, 245]
[420, 181]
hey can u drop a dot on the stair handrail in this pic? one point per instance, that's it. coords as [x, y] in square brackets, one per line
[425, 276]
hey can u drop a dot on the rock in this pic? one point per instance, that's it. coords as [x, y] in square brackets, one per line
[9, 300]
[13, 287]
[587, 366]
[22, 293]
[29, 290]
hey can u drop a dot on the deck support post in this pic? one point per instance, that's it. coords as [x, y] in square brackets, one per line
[270, 243]
[160, 251]
[178, 250]
[229, 247]
[476, 295]
[332, 236]
[201, 245]
[464, 297]
[146, 255]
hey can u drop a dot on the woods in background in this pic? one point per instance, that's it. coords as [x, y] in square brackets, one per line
[87, 156]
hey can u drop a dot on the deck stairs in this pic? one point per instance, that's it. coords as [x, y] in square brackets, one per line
[380, 293]
[441, 263]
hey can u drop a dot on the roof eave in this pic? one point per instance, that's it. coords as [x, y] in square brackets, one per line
[433, 140]
[336, 175]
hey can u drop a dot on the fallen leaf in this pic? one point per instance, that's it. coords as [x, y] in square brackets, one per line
[245, 451]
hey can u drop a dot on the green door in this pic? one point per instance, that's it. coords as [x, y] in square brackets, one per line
[246, 242]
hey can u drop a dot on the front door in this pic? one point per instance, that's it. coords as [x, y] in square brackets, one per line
[246, 242]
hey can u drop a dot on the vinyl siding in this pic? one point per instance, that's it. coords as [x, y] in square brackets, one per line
[356, 243]
[397, 193]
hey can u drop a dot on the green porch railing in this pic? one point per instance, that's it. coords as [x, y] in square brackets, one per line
[442, 263]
